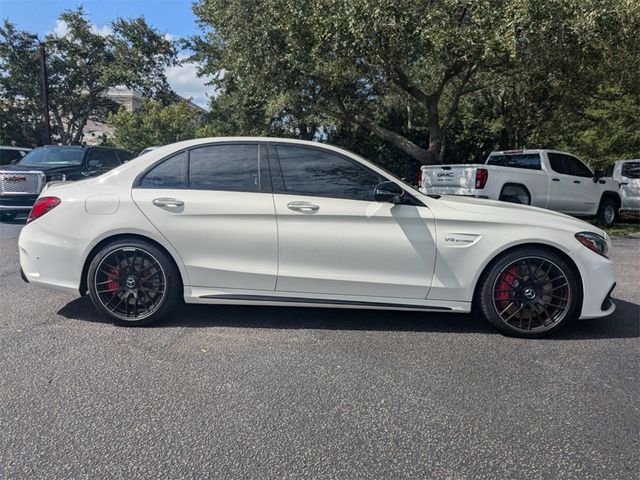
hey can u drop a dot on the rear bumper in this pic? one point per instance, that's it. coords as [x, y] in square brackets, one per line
[50, 260]
[17, 203]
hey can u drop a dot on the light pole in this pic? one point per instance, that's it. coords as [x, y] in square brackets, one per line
[44, 87]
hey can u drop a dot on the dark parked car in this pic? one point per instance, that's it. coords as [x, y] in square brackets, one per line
[10, 155]
[20, 184]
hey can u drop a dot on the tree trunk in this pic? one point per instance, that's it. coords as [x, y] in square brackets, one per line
[435, 133]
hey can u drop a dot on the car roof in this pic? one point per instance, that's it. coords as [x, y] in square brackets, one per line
[22, 149]
[529, 151]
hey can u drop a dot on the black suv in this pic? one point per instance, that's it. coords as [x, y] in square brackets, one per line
[20, 184]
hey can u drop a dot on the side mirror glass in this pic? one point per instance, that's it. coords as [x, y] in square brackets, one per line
[388, 192]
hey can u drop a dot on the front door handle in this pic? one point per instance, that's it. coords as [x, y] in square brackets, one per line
[555, 179]
[304, 207]
[576, 181]
[168, 202]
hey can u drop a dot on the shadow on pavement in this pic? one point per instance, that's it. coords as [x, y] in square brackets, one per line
[624, 323]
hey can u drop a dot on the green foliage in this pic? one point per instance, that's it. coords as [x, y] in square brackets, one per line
[82, 66]
[154, 124]
[429, 81]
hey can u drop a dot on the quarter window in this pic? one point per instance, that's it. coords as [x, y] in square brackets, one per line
[308, 171]
[225, 167]
[169, 174]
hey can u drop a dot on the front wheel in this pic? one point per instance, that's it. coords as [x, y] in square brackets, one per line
[133, 282]
[529, 292]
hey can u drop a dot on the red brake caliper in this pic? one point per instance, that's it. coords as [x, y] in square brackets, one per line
[503, 288]
[114, 283]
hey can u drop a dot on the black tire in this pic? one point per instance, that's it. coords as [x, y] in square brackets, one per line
[7, 216]
[607, 213]
[529, 279]
[139, 272]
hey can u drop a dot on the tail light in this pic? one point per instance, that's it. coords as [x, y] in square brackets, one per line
[482, 176]
[42, 206]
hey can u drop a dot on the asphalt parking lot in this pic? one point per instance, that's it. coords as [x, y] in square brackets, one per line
[257, 392]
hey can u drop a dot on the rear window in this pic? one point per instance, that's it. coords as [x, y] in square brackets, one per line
[54, 156]
[529, 161]
[631, 169]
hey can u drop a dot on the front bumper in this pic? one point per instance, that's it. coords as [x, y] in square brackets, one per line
[598, 281]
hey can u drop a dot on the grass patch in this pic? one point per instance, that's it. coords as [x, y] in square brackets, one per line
[627, 224]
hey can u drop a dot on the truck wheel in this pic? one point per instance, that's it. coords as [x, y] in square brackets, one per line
[607, 213]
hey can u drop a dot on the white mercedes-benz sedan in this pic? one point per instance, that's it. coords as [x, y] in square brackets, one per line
[268, 221]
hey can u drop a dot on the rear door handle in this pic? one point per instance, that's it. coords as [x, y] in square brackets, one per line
[555, 179]
[168, 202]
[576, 181]
[304, 207]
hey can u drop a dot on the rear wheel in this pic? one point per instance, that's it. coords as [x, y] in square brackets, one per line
[607, 212]
[529, 292]
[133, 282]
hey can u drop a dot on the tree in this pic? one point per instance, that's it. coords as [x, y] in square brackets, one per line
[313, 63]
[154, 124]
[82, 66]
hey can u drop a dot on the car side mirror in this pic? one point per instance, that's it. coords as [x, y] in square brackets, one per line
[388, 192]
[597, 175]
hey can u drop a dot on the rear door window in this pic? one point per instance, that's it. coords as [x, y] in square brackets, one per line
[528, 161]
[556, 161]
[231, 168]
[576, 167]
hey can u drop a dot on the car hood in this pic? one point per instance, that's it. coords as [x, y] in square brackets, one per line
[480, 208]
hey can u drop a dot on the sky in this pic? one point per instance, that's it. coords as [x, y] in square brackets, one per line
[171, 17]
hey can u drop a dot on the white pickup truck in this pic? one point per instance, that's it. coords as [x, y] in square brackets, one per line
[543, 178]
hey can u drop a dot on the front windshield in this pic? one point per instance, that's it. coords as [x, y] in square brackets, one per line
[53, 157]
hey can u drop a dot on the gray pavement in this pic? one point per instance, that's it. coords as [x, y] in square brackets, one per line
[258, 392]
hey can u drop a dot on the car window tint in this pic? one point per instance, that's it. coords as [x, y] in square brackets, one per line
[169, 174]
[225, 167]
[107, 158]
[8, 156]
[308, 171]
[576, 168]
[631, 169]
[556, 160]
[529, 161]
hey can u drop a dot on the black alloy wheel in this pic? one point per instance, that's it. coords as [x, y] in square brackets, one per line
[134, 282]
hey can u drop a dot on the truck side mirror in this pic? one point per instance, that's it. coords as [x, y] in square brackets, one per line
[597, 175]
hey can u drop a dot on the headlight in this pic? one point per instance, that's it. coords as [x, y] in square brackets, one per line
[594, 242]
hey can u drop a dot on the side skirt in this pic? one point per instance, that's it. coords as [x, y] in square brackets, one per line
[274, 300]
